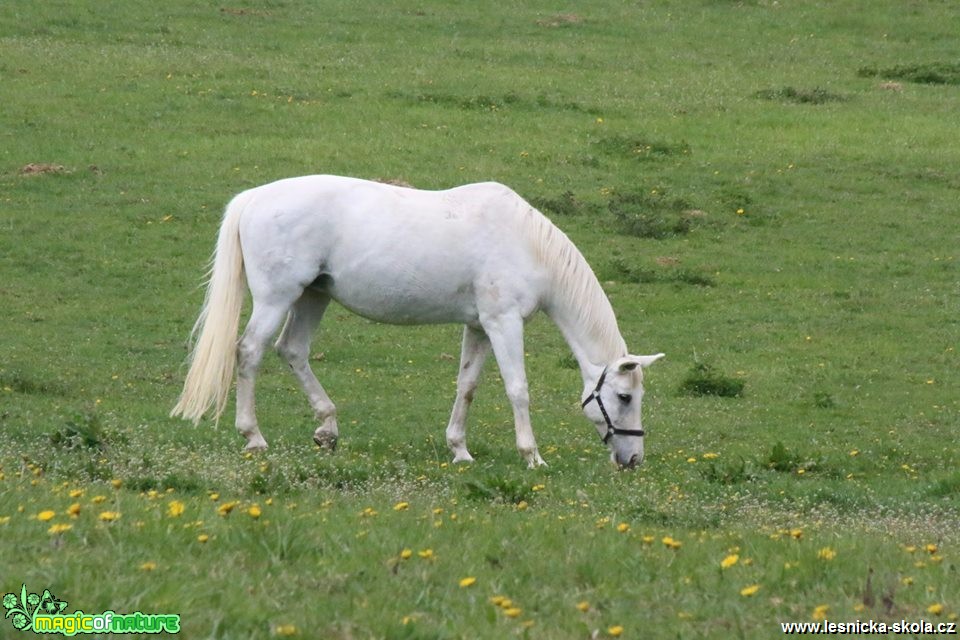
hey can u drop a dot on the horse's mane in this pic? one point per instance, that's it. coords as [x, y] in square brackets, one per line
[575, 288]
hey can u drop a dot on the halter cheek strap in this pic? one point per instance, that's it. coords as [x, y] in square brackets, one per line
[611, 430]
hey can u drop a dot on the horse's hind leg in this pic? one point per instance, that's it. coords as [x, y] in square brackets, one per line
[294, 347]
[263, 324]
[473, 353]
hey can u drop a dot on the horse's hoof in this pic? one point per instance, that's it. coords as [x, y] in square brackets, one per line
[325, 440]
[462, 456]
[256, 446]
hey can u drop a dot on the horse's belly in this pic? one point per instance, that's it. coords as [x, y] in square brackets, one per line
[410, 301]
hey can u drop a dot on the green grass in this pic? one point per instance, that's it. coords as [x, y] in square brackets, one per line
[750, 195]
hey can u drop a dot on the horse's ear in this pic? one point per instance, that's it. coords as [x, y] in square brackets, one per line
[629, 363]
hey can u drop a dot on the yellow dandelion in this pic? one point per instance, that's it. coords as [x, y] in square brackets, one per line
[670, 543]
[214, 496]
[74, 510]
[820, 612]
[623, 527]
[254, 511]
[109, 516]
[910, 548]
[98, 499]
[148, 566]
[401, 506]
[506, 603]
[405, 554]
[59, 528]
[286, 630]
[522, 505]
[615, 631]
[116, 483]
[539, 487]
[469, 581]
[47, 515]
[175, 509]
[796, 534]
[76, 493]
[513, 612]
[647, 539]
[749, 591]
[583, 606]
[906, 581]
[225, 508]
[426, 554]
[711, 456]
[826, 553]
[935, 609]
[203, 538]
[729, 561]
[497, 600]
[930, 548]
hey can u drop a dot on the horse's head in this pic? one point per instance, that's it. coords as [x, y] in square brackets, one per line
[614, 407]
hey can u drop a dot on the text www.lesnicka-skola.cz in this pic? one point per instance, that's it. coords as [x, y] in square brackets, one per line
[869, 627]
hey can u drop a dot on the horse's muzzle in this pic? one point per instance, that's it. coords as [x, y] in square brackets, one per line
[630, 464]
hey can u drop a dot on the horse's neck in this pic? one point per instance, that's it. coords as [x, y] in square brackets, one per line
[590, 329]
[575, 301]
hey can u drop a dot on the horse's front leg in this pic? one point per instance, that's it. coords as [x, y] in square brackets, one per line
[506, 338]
[473, 353]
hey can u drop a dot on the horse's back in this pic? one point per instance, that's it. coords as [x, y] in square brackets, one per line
[392, 253]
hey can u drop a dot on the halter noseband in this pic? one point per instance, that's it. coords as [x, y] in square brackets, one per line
[611, 430]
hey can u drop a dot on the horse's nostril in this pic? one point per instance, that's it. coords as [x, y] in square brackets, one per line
[632, 463]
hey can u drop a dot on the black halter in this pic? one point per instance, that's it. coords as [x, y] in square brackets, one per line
[611, 430]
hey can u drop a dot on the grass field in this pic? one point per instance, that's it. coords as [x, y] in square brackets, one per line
[767, 190]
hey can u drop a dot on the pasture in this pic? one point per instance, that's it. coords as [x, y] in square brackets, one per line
[768, 192]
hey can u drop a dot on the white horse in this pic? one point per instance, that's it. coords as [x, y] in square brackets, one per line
[478, 255]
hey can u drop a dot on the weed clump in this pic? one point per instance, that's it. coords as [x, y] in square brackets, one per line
[640, 148]
[704, 380]
[728, 473]
[653, 215]
[782, 460]
[565, 204]
[83, 430]
[817, 95]
[498, 489]
[924, 73]
[676, 275]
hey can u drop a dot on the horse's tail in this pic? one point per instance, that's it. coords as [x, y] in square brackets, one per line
[214, 335]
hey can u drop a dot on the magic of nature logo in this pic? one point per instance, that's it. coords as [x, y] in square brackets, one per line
[44, 613]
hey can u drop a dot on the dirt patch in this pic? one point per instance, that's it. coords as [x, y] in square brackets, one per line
[397, 182]
[40, 168]
[561, 20]
[243, 12]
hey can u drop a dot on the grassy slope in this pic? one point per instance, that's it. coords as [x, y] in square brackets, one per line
[835, 297]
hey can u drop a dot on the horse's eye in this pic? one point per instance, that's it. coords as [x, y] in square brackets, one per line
[625, 398]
